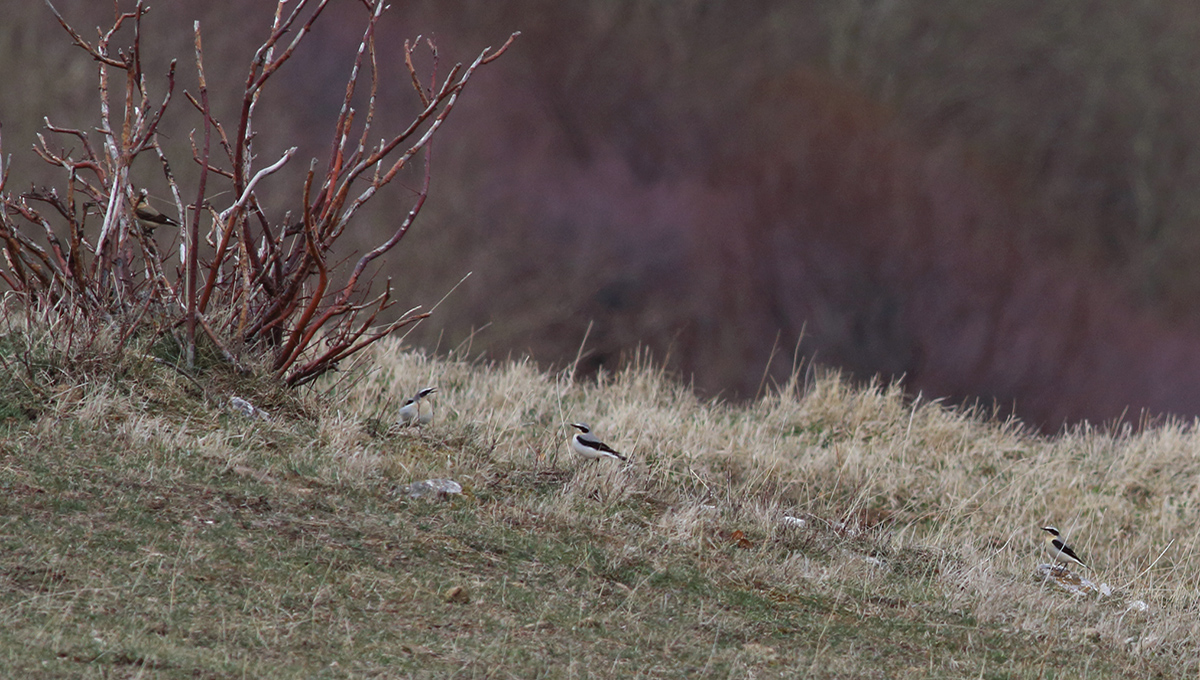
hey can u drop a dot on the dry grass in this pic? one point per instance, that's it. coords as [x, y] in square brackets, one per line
[147, 531]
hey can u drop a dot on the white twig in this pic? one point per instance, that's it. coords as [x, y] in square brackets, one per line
[241, 202]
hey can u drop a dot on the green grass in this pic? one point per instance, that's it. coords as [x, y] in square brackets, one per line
[213, 574]
[147, 532]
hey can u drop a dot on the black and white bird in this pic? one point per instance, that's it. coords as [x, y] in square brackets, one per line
[589, 445]
[149, 217]
[417, 411]
[1058, 550]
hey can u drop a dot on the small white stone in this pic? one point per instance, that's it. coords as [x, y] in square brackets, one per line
[1137, 606]
[437, 488]
[246, 408]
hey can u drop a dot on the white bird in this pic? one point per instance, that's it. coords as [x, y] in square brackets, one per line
[1058, 550]
[417, 411]
[589, 445]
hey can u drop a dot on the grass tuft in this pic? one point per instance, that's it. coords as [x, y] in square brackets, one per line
[828, 529]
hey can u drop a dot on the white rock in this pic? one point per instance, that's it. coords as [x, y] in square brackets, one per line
[246, 408]
[436, 488]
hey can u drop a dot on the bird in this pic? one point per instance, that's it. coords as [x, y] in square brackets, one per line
[417, 411]
[589, 445]
[149, 217]
[1058, 550]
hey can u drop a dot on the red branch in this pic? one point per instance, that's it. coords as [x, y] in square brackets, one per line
[266, 284]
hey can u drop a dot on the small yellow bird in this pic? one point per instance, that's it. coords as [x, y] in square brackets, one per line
[1058, 550]
[150, 217]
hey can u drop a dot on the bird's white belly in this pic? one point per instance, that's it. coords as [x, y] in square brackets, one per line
[583, 450]
[407, 414]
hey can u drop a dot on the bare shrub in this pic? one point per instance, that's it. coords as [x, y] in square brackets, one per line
[243, 278]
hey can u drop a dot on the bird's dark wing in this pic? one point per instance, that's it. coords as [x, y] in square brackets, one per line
[154, 217]
[1066, 550]
[601, 446]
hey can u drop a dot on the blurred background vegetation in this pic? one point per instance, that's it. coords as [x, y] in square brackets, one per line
[987, 199]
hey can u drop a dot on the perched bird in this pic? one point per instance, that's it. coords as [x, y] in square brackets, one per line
[417, 411]
[1058, 550]
[589, 445]
[148, 216]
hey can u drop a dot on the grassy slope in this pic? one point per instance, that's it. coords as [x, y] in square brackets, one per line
[147, 532]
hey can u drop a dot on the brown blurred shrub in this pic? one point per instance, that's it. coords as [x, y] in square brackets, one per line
[989, 198]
